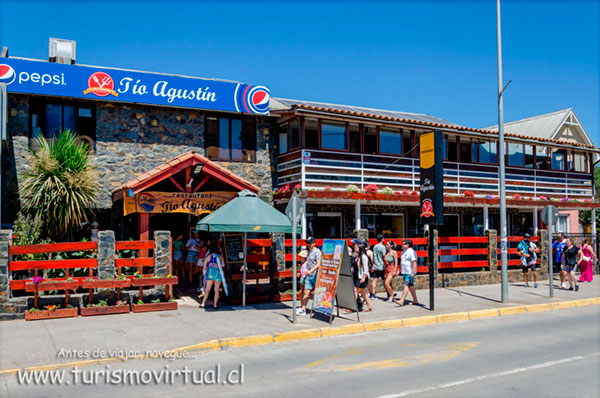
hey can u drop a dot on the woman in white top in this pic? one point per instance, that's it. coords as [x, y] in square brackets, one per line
[408, 264]
[362, 281]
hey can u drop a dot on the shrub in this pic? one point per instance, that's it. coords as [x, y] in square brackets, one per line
[371, 188]
[352, 188]
[387, 191]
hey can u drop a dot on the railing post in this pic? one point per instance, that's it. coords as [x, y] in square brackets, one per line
[545, 252]
[492, 252]
[5, 235]
[106, 255]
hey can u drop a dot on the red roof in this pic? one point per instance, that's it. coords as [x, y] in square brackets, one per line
[181, 162]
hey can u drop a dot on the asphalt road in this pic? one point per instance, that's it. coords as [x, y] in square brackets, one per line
[546, 354]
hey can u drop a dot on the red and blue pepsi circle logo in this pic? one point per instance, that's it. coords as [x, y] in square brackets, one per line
[252, 99]
[7, 74]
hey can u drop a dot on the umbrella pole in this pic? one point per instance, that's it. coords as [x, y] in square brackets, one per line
[245, 266]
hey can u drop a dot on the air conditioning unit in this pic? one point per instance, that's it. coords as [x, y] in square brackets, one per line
[62, 51]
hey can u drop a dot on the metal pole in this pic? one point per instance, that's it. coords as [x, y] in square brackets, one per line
[551, 259]
[294, 265]
[503, 248]
[431, 235]
[245, 266]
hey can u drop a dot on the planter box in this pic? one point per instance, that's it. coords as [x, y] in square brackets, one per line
[45, 314]
[105, 284]
[50, 285]
[153, 281]
[109, 309]
[166, 306]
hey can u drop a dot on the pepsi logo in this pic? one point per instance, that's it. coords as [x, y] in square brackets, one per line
[252, 99]
[7, 74]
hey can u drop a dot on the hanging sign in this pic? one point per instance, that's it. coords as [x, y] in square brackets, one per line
[176, 202]
[119, 85]
[432, 178]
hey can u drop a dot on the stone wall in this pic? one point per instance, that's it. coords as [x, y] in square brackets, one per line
[127, 146]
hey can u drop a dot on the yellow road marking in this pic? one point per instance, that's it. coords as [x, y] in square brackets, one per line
[386, 364]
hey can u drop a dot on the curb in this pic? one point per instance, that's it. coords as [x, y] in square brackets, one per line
[312, 334]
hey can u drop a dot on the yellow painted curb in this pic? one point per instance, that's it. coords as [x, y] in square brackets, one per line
[539, 307]
[586, 302]
[341, 330]
[483, 314]
[248, 341]
[211, 345]
[564, 304]
[419, 321]
[296, 335]
[459, 316]
[512, 310]
[383, 325]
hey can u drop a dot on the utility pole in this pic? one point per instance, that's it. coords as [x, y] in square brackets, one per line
[501, 149]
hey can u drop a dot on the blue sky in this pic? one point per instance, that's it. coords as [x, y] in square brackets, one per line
[416, 56]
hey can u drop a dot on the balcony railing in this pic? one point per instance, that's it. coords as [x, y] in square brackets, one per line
[318, 169]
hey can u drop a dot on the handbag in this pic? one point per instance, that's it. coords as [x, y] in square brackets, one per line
[586, 258]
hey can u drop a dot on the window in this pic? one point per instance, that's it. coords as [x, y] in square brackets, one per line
[407, 144]
[451, 153]
[580, 162]
[334, 136]
[465, 150]
[390, 141]
[558, 159]
[563, 223]
[230, 139]
[542, 161]
[488, 152]
[48, 119]
[515, 154]
[529, 156]
[311, 133]
[370, 139]
[354, 138]
[289, 136]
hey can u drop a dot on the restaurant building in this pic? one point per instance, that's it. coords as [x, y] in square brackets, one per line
[359, 168]
[168, 148]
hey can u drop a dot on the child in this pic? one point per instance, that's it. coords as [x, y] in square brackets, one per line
[303, 255]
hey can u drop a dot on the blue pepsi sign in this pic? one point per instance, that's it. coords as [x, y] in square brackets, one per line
[90, 82]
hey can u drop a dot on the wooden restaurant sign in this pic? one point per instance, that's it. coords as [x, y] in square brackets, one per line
[176, 202]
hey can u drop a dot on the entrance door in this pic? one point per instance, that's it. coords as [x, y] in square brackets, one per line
[451, 227]
[393, 225]
[329, 225]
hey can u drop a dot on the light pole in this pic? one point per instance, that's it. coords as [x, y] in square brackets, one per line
[503, 251]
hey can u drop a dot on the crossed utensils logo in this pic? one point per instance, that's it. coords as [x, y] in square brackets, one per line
[101, 84]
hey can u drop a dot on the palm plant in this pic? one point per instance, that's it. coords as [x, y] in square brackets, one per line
[62, 185]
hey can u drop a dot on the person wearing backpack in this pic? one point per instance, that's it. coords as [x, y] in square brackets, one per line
[528, 252]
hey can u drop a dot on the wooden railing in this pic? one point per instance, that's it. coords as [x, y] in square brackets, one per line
[317, 169]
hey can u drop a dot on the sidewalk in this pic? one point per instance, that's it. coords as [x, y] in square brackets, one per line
[36, 343]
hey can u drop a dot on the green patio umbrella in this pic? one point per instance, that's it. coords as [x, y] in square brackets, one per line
[246, 213]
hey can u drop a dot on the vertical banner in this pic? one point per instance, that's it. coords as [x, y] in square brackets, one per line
[432, 178]
[333, 253]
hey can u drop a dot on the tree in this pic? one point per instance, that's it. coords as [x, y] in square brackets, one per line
[585, 217]
[62, 186]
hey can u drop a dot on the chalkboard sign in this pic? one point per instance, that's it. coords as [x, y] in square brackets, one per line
[234, 249]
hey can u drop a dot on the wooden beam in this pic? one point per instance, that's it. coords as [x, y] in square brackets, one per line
[188, 187]
[144, 230]
[176, 184]
[201, 183]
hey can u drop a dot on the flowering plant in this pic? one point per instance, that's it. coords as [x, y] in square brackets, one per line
[371, 188]
[469, 194]
[352, 188]
[121, 302]
[414, 193]
[121, 277]
[37, 279]
[327, 188]
[140, 301]
[51, 307]
[69, 306]
[390, 191]
[565, 199]
[543, 198]
[138, 275]
[488, 196]
[33, 309]
[516, 196]
[102, 303]
[155, 301]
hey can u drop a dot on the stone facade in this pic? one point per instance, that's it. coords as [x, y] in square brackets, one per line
[106, 255]
[127, 145]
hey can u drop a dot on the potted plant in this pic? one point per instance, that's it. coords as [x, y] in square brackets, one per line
[50, 312]
[102, 308]
[154, 305]
[40, 285]
[94, 283]
[139, 280]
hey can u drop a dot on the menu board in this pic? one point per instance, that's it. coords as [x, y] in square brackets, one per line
[334, 251]
[234, 249]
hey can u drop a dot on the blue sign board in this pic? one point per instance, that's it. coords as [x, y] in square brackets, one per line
[98, 83]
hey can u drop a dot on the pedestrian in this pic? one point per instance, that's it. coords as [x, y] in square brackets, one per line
[571, 259]
[199, 268]
[178, 256]
[378, 265]
[408, 268]
[587, 263]
[193, 247]
[213, 266]
[353, 252]
[391, 269]
[527, 251]
[362, 283]
[303, 255]
[559, 246]
[313, 262]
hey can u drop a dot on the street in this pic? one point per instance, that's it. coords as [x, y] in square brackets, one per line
[555, 353]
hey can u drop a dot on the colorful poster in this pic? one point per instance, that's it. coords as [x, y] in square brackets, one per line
[327, 280]
[176, 202]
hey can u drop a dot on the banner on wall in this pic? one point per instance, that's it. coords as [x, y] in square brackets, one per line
[118, 85]
[176, 202]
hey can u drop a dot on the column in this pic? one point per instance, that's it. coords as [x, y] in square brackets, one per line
[486, 218]
[545, 253]
[106, 255]
[357, 215]
[144, 230]
[303, 234]
[5, 236]
[535, 221]
[162, 253]
[492, 253]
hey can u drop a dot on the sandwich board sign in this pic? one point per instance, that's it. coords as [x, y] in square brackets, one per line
[334, 285]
